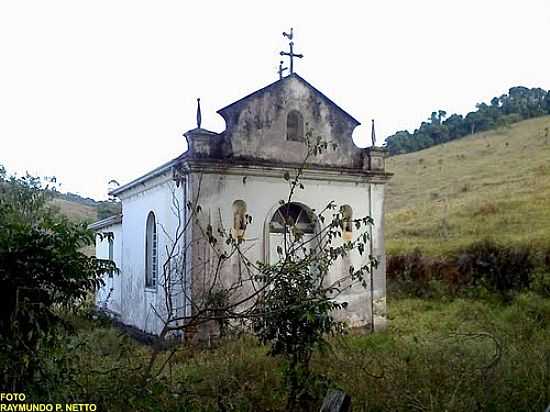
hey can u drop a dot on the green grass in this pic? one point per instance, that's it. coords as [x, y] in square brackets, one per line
[441, 356]
[437, 355]
[493, 184]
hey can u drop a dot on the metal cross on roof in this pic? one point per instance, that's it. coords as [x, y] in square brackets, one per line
[281, 69]
[291, 54]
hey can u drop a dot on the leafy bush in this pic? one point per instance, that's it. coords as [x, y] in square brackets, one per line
[409, 274]
[296, 312]
[487, 265]
[541, 283]
[295, 316]
[41, 270]
[499, 268]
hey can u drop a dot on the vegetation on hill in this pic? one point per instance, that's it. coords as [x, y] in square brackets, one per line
[493, 184]
[520, 103]
[76, 212]
[85, 208]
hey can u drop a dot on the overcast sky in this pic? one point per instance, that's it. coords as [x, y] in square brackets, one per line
[96, 90]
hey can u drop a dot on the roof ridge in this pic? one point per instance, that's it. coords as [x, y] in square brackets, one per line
[292, 75]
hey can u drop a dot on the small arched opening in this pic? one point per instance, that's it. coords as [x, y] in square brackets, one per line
[295, 126]
[239, 219]
[347, 220]
[292, 222]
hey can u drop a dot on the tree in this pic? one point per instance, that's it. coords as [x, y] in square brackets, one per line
[297, 309]
[473, 119]
[456, 126]
[434, 118]
[546, 103]
[42, 270]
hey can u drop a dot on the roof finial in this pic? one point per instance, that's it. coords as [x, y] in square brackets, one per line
[199, 117]
[291, 54]
[289, 36]
[281, 69]
[373, 135]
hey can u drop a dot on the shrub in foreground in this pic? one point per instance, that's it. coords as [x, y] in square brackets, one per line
[41, 269]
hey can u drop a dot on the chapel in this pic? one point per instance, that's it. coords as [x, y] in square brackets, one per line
[233, 182]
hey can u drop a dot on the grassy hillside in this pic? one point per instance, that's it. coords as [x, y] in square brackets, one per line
[82, 209]
[492, 184]
[77, 212]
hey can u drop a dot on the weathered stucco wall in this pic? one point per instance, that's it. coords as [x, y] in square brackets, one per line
[134, 302]
[262, 195]
[256, 126]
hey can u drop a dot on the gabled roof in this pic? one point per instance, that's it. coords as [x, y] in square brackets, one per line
[153, 173]
[279, 83]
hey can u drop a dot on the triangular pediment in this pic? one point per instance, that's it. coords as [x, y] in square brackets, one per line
[258, 125]
[280, 84]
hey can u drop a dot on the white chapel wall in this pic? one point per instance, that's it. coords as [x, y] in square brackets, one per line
[157, 196]
[262, 195]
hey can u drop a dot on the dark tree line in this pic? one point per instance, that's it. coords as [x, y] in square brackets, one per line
[520, 103]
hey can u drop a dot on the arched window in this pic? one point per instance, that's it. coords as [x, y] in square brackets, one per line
[347, 217]
[111, 240]
[295, 126]
[292, 222]
[239, 218]
[289, 215]
[151, 251]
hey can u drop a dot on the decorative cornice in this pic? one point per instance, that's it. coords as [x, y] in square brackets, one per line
[269, 169]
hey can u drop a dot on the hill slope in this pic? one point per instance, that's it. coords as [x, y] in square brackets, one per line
[80, 209]
[491, 184]
[75, 211]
